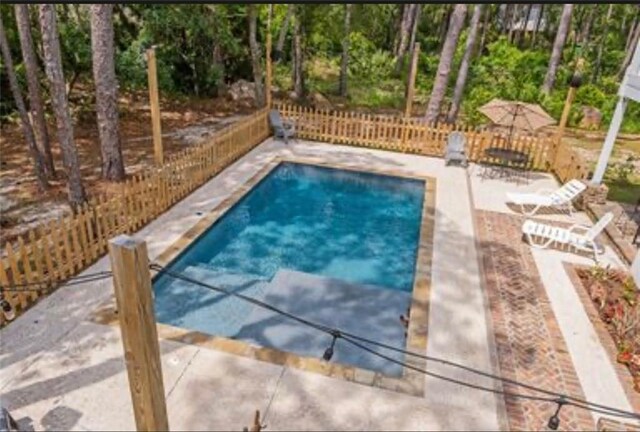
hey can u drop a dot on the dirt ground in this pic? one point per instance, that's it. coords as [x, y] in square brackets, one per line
[184, 122]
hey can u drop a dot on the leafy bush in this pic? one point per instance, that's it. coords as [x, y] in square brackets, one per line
[366, 61]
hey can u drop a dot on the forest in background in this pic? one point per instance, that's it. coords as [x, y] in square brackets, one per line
[203, 48]
[75, 68]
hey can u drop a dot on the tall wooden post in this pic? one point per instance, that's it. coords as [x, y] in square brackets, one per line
[269, 71]
[573, 88]
[132, 283]
[565, 111]
[155, 106]
[412, 80]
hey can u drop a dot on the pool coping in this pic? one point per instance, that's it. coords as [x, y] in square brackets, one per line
[411, 382]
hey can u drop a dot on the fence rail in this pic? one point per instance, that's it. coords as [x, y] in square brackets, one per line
[410, 135]
[61, 248]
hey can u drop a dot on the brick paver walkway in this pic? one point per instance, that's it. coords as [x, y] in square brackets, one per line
[529, 343]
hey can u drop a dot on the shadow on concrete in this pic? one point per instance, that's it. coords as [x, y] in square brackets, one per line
[319, 406]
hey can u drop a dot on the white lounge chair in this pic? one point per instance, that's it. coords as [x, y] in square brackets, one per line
[560, 198]
[581, 237]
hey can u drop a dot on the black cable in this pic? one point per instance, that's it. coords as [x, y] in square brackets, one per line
[76, 280]
[576, 402]
[475, 371]
[251, 300]
[448, 379]
[605, 410]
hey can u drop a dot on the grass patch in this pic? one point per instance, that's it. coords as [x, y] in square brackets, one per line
[626, 192]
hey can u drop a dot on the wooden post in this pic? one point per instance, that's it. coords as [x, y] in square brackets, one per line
[132, 284]
[257, 427]
[269, 72]
[569, 101]
[565, 112]
[155, 106]
[412, 80]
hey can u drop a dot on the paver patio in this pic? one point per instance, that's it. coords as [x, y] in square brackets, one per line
[61, 370]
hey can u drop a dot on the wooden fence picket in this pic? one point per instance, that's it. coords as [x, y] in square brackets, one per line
[58, 249]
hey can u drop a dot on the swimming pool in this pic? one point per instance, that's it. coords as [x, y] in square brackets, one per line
[334, 245]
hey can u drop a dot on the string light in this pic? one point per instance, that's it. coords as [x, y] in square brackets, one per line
[554, 420]
[328, 353]
[557, 398]
[7, 310]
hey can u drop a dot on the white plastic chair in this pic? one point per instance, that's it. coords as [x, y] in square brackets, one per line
[581, 237]
[560, 198]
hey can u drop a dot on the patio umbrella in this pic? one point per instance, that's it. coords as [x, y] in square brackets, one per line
[514, 114]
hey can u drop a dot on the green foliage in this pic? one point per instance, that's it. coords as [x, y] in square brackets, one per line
[506, 73]
[74, 28]
[623, 181]
[186, 37]
[202, 46]
[366, 61]
[621, 172]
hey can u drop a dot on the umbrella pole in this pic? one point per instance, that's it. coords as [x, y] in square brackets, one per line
[513, 121]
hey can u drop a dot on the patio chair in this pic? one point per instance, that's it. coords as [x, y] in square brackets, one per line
[560, 198]
[581, 237]
[455, 149]
[281, 129]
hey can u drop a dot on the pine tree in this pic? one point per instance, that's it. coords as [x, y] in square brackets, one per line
[104, 76]
[53, 67]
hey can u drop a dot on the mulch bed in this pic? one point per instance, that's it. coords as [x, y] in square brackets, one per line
[611, 301]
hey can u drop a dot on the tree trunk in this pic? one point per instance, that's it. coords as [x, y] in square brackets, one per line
[298, 54]
[629, 53]
[513, 19]
[414, 27]
[628, 44]
[38, 165]
[585, 34]
[537, 28]
[217, 57]
[400, 19]
[53, 66]
[104, 76]
[405, 31]
[603, 42]
[283, 31]
[525, 29]
[558, 45]
[485, 28]
[446, 59]
[506, 18]
[444, 25]
[464, 64]
[345, 50]
[256, 56]
[35, 98]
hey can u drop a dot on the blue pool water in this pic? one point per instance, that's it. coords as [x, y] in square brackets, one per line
[358, 228]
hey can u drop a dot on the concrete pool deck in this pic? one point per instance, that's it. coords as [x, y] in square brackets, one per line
[61, 370]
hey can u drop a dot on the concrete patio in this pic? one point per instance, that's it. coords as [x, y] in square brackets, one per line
[62, 370]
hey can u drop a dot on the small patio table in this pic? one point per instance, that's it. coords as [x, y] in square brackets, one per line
[503, 159]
